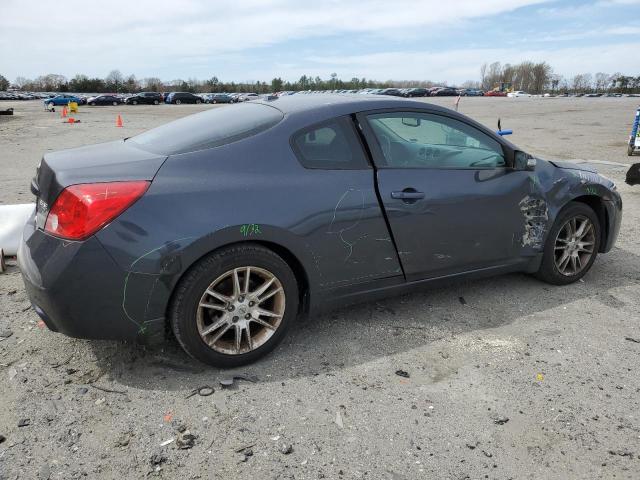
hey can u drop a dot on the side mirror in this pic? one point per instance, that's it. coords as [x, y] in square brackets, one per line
[411, 122]
[524, 161]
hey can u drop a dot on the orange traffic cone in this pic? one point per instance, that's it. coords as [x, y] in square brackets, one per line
[64, 112]
[118, 121]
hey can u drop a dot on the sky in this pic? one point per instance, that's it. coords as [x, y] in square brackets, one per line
[249, 40]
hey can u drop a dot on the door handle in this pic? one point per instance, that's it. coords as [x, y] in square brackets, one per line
[407, 194]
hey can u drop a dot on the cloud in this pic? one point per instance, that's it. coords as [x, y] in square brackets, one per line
[455, 66]
[144, 35]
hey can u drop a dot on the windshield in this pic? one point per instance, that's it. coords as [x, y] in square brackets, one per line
[212, 128]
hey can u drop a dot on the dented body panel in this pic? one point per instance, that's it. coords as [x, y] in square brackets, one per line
[341, 232]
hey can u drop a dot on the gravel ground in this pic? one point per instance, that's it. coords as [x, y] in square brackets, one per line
[501, 378]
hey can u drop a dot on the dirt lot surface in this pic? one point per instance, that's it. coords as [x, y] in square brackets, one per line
[505, 378]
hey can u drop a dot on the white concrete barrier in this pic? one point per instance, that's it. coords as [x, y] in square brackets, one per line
[12, 220]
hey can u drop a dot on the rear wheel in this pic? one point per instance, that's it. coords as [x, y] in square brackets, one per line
[115, 104]
[155, 102]
[178, 102]
[234, 306]
[93, 104]
[198, 102]
[572, 245]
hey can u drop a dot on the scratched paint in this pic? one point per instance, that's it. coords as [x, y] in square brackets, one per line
[142, 328]
[536, 216]
[345, 232]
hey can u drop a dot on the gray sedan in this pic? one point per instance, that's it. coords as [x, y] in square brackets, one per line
[227, 225]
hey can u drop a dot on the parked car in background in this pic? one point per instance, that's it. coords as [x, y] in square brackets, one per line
[444, 92]
[495, 93]
[518, 93]
[62, 99]
[471, 92]
[146, 98]
[415, 92]
[182, 97]
[217, 98]
[245, 97]
[394, 92]
[105, 100]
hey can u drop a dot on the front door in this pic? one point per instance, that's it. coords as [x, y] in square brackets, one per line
[452, 202]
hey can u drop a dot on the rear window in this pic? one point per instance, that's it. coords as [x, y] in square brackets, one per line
[212, 128]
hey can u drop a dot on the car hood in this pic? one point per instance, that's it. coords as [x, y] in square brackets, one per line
[572, 166]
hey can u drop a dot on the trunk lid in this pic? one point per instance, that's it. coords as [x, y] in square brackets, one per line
[105, 162]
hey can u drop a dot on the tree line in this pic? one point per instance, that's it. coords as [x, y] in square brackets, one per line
[528, 76]
[539, 78]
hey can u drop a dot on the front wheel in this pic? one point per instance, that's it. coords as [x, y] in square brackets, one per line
[135, 102]
[198, 102]
[572, 245]
[234, 306]
[178, 102]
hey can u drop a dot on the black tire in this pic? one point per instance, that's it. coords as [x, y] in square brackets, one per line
[178, 102]
[214, 101]
[93, 104]
[548, 271]
[155, 102]
[135, 102]
[187, 294]
[198, 102]
[630, 149]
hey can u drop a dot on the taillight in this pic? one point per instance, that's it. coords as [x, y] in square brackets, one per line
[81, 210]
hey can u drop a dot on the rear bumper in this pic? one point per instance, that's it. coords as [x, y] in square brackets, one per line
[77, 289]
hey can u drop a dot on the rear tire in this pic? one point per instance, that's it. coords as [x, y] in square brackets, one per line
[178, 102]
[565, 260]
[155, 102]
[215, 272]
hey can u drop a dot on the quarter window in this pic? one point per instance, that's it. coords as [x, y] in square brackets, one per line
[422, 140]
[332, 145]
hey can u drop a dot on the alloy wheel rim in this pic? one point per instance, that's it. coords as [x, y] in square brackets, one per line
[240, 310]
[574, 245]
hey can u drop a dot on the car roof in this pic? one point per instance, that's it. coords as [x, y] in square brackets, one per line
[340, 104]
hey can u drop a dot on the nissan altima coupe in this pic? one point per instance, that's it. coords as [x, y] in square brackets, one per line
[225, 226]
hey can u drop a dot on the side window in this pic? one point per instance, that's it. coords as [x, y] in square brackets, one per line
[423, 140]
[332, 145]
